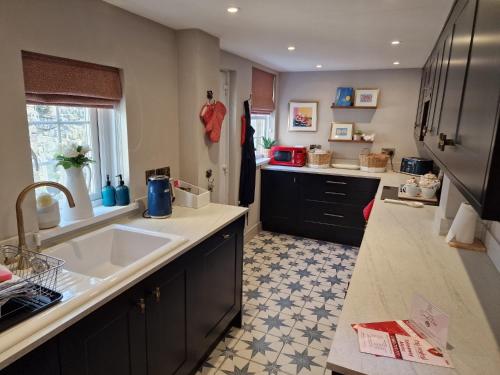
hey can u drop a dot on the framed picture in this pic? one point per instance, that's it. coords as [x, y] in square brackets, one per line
[341, 131]
[344, 97]
[366, 97]
[302, 116]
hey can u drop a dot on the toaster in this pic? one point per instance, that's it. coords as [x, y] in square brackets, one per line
[416, 166]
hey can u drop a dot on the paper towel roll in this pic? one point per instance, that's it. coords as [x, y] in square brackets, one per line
[463, 228]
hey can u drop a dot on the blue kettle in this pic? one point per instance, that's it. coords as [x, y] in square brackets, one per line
[159, 197]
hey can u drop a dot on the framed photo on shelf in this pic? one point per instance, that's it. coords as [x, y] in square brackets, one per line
[344, 97]
[303, 116]
[341, 131]
[366, 97]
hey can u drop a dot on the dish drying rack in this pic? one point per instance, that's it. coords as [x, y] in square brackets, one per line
[33, 286]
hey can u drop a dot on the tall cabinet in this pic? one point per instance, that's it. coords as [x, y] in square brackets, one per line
[458, 111]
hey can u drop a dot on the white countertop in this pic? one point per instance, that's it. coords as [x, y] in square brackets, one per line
[400, 256]
[82, 295]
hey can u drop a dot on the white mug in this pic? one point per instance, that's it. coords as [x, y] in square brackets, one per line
[411, 189]
[428, 192]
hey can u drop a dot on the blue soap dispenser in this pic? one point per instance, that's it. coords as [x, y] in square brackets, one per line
[108, 194]
[122, 193]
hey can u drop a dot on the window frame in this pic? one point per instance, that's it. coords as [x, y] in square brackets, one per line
[106, 152]
[268, 132]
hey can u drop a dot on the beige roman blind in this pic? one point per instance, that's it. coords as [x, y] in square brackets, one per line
[262, 91]
[59, 81]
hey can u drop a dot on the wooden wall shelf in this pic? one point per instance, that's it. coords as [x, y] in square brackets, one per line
[348, 141]
[333, 106]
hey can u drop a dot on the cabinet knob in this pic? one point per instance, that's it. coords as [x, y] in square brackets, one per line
[141, 304]
[444, 141]
[226, 236]
[157, 294]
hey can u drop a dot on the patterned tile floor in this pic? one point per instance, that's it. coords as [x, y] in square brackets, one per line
[293, 292]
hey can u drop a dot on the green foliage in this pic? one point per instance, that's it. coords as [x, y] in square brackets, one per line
[75, 157]
[267, 143]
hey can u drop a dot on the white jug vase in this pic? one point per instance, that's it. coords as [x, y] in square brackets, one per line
[79, 188]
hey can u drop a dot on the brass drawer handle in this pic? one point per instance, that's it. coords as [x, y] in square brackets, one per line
[334, 193]
[157, 294]
[226, 236]
[141, 304]
[336, 182]
[333, 215]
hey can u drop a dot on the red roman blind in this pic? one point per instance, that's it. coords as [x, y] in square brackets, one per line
[262, 91]
[59, 81]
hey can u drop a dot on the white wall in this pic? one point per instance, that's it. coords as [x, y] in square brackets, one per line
[88, 30]
[392, 122]
[199, 56]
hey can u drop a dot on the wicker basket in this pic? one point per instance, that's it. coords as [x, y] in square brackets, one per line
[322, 160]
[373, 162]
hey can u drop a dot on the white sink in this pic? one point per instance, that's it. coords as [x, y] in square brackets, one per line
[110, 250]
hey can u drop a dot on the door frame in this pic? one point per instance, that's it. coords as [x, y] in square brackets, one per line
[222, 195]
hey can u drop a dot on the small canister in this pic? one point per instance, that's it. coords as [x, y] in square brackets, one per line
[159, 197]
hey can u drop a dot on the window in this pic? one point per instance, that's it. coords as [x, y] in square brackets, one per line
[264, 127]
[52, 128]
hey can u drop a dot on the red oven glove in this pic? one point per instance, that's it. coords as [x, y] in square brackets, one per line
[216, 122]
[206, 114]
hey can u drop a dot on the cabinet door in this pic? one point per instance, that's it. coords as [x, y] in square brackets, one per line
[480, 104]
[433, 129]
[166, 320]
[44, 360]
[457, 70]
[111, 340]
[279, 201]
[215, 287]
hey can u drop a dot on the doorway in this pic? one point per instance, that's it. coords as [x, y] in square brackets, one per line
[223, 165]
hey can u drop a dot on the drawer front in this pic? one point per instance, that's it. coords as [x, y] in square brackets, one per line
[344, 184]
[334, 213]
[355, 198]
[332, 233]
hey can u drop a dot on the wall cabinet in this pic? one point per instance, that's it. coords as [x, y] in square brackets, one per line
[167, 324]
[461, 131]
[320, 206]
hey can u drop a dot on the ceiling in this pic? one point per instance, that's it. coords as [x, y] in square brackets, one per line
[338, 34]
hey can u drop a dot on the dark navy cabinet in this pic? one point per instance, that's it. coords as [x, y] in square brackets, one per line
[460, 127]
[319, 206]
[166, 324]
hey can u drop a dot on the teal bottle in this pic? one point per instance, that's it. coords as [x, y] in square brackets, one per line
[108, 194]
[122, 193]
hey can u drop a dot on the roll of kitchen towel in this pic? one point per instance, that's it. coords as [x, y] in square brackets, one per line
[463, 228]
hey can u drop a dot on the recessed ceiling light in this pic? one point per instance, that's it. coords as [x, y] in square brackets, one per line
[395, 42]
[396, 62]
[291, 48]
[319, 66]
[233, 9]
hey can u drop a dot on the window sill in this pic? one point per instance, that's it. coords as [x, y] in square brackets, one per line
[101, 214]
[262, 161]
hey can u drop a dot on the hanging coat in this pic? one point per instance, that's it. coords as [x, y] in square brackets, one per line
[248, 166]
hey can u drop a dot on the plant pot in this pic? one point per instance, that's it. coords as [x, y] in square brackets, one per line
[357, 137]
[268, 153]
[75, 182]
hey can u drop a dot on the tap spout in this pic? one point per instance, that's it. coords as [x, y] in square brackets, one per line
[20, 199]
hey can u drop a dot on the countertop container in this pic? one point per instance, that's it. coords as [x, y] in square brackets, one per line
[188, 195]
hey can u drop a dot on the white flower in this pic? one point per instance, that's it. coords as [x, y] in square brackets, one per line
[85, 149]
[70, 151]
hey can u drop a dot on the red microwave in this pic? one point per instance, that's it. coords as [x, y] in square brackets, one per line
[291, 156]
